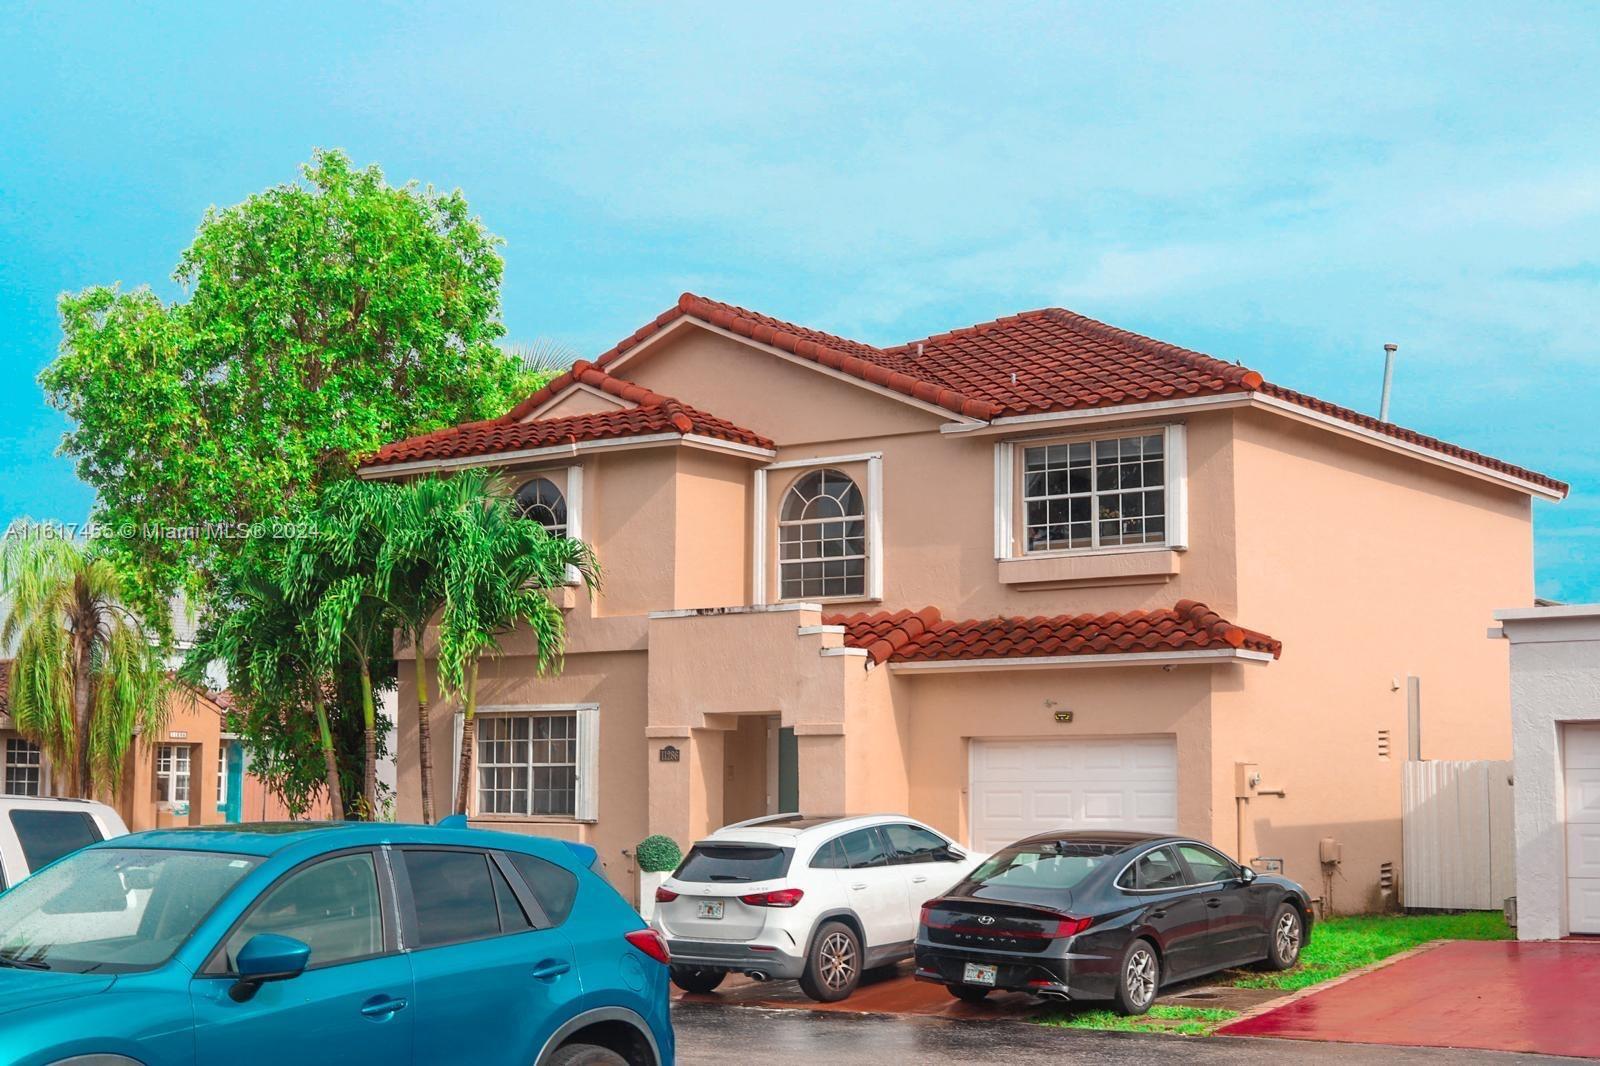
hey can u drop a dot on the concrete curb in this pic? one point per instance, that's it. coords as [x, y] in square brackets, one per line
[1302, 993]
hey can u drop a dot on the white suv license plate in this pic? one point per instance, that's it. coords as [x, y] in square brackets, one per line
[977, 974]
[712, 908]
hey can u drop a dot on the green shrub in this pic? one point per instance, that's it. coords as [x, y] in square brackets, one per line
[658, 854]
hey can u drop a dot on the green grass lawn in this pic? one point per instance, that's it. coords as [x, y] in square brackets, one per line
[1340, 945]
[1337, 946]
[1189, 1021]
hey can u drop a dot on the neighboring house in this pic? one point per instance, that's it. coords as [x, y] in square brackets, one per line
[1555, 721]
[1035, 573]
[194, 773]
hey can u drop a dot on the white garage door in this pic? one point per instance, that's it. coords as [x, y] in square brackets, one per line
[1020, 787]
[1583, 828]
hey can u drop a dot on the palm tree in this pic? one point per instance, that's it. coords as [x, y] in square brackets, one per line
[87, 677]
[416, 516]
[269, 650]
[496, 567]
[334, 572]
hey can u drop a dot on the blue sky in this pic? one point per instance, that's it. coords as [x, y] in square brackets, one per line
[1285, 185]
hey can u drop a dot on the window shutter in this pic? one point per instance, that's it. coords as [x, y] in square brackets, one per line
[1177, 487]
[574, 514]
[457, 724]
[1003, 502]
[587, 802]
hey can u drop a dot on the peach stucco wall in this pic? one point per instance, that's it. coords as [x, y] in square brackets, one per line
[1368, 565]
[1369, 568]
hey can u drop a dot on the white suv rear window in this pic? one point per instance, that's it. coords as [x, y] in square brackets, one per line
[734, 863]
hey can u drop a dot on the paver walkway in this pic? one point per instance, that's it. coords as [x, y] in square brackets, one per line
[1541, 997]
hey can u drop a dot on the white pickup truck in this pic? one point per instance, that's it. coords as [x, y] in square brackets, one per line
[35, 831]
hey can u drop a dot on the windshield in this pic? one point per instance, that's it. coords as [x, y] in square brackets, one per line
[113, 910]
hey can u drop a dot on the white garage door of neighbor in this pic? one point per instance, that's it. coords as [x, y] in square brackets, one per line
[1583, 827]
[1021, 787]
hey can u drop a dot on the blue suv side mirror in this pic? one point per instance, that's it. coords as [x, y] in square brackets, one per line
[267, 957]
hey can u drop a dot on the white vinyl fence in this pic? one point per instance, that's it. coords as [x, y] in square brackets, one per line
[1460, 852]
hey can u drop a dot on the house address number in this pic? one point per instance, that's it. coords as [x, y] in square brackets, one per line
[1063, 717]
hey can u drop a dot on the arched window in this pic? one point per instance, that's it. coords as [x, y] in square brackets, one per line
[541, 501]
[822, 538]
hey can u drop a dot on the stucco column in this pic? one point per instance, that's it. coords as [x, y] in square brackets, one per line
[821, 755]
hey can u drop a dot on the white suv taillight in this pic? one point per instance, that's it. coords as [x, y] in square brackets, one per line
[778, 897]
[665, 895]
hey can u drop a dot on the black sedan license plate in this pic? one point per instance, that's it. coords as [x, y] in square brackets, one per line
[975, 973]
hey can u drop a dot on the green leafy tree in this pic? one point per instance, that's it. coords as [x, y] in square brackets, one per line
[87, 677]
[323, 318]
[497, 568]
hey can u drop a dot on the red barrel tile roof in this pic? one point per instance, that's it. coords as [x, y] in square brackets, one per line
[652, 413]
[1035, 362]
[924, 636]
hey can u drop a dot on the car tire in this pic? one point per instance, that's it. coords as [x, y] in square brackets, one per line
[1138, 978]
[586, 1055]
[833, 967]
[1286, 936]
[697, 978]
[969, 993]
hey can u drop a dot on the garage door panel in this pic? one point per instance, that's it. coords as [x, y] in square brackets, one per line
[1582, 747]
[1097, 783]
[1583, 795]
[1583, 851]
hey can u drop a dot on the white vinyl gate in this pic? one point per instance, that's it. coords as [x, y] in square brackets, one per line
[1460, 847]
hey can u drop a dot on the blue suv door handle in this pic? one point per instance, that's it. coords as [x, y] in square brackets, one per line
[382, 1008]
[551, 968]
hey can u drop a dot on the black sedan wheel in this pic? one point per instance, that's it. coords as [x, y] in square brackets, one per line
[1138, 979]
[1288, 935]
[697, 978]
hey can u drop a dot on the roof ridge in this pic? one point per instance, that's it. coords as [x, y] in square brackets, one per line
[967, 331]
[1234, 373]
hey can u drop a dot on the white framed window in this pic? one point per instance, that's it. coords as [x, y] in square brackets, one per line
[540, 500]
[537, 761]
[24, 767]
[829, 529]
[822, 538]
[172, 774]
[1111, 491]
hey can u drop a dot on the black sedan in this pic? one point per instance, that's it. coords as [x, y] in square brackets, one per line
[1096, 916]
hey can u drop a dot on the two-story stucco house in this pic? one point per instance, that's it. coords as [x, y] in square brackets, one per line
[1035, 573]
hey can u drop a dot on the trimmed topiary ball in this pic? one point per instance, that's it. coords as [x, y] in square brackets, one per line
[658, 854]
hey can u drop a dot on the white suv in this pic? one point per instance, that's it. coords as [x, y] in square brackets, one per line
[820, 899]
[35, 831]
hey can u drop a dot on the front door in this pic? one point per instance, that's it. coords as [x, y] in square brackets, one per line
[493, 977]
[788, 772]
[1582, 763]
[353, 1002]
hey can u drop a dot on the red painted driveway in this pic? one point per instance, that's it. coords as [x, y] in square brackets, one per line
[1541, 997]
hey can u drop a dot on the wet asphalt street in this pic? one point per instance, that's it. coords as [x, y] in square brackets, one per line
[712, 1035]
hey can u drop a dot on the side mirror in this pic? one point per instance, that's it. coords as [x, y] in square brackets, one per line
[953, 855]
[267, 957]
[1246, 875]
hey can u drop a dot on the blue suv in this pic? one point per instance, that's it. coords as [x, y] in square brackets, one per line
[302, 943]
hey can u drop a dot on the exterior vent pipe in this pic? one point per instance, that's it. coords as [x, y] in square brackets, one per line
[1388, 380]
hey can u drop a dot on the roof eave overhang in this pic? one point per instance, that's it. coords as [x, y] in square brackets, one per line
[1203, 657]
[1017, 425]
[685, 320]
[558, 452]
